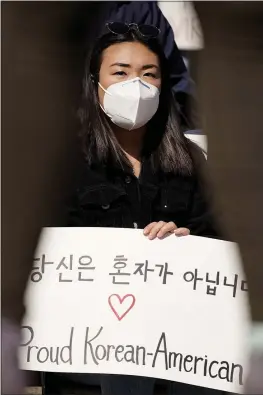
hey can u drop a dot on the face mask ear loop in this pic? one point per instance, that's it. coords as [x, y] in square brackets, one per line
[108, 93]
[102, 109]
[105, 90]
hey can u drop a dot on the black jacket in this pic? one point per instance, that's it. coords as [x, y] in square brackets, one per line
[113, 197]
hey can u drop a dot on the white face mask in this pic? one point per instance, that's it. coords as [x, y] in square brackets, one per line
[130, 104]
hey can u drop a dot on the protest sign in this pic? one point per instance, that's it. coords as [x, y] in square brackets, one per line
[112, 301]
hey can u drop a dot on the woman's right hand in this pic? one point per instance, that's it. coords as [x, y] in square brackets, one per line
[163, 229]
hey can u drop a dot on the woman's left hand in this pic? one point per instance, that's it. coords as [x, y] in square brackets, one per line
[162, 229]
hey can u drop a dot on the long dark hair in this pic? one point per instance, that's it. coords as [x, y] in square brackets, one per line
[165, 144]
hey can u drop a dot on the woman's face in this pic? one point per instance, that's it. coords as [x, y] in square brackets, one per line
[125, 61]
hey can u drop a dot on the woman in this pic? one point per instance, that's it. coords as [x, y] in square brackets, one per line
[139, 171]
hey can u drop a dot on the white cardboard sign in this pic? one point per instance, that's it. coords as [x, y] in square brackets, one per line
[157, 313]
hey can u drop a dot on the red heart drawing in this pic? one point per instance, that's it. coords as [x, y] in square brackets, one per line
[120, 300]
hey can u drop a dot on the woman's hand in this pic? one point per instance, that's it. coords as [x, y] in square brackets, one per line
[162, 229]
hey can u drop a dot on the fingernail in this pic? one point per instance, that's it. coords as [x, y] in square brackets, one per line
[150, 237]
